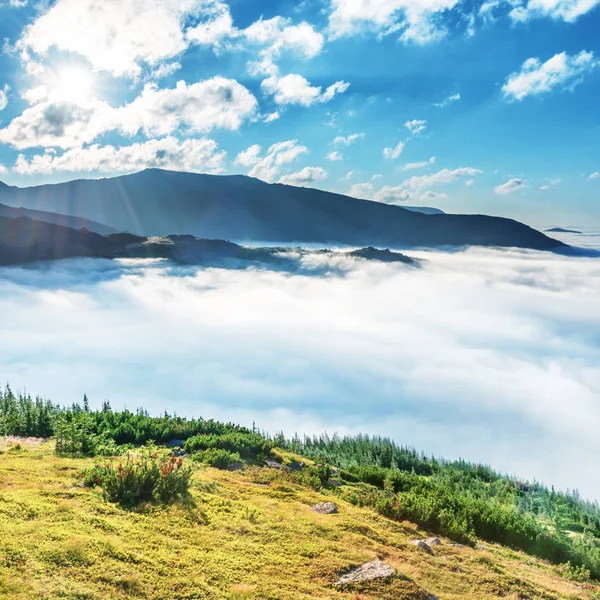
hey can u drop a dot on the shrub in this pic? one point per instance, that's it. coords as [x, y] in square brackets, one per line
[249, 445]
[146, 478]
[217, 458]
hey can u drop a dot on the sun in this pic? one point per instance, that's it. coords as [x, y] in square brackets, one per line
[72, 83]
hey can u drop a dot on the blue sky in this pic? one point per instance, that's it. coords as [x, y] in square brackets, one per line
[485, 107]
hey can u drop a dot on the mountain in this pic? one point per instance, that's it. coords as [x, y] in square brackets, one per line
[56, 219]
[426, 210]
[23, 240]
[561, 230]
[243, 209]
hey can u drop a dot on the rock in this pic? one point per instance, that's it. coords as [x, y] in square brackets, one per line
[423, 546]
[433, 541]
[296, 466]
[334, 483]
[325, 508]
[371, 570]
[272, 464]
[179, 453]
[236, 466]
[431, 597]
[481, 546]
[175, 443]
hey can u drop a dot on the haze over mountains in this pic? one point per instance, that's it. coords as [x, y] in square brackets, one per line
[243, 209]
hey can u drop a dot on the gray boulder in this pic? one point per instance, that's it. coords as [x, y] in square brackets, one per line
[325, 508]
[366, 572]
[421, 545]
[433, 541]
[272, 464]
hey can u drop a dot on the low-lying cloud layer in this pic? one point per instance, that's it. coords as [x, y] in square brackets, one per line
[484, 354]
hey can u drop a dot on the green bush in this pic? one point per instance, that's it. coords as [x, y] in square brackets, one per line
[217, 458]
[146, 478]
[248, 445]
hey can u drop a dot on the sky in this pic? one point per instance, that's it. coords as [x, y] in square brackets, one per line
[470, 106]
[483, 354]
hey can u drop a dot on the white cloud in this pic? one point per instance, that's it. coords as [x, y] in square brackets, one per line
[3, 169]
[216, 28]
[564, 10]
[4, 97]
[165, 70]
[416, 126]
[348, 175]
[346, 141]
[559, 72]
[470, 182]
[268, 166]
[199, 107]
[511, 186]
[61, 124]
[35, 95]
[193, 155]
[595, 175]
[415, 189]
[333, 156]
[304, 177]
[295, 89]
[395, 152]
[418, 20]
[533, 315]
[418, 165]
[448, 100]
[551, 183]
[271, 117]
[119, 36]
[278, 34]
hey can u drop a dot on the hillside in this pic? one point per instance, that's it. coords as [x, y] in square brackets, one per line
[23, 240]
[71, 528]
[55, 219]
[243, 209]
[244, 535]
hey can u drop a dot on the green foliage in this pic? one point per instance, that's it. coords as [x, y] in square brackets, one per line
[461, 500]
[217, 458]
[248, 445]
[144, 478]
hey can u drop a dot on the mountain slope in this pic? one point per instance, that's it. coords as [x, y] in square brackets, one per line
[239, 208]
[56, 219]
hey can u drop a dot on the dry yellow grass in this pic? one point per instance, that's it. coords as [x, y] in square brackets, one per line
[246, 535]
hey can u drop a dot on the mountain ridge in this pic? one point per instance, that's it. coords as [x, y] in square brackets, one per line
[239, 208]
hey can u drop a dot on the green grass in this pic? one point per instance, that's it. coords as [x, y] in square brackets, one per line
[248, 534]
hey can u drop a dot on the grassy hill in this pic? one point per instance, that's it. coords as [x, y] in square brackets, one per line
[242, 534]
[97, 504]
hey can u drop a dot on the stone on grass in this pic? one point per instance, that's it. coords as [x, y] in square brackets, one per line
[236, 466]
[366, 572]
[421, 545]
[295, 466]
[325, 508]
[272, 464]
[433, 541]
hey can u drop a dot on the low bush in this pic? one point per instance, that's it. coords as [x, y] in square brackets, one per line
[248, 445]
[217, 458]
[146, 478]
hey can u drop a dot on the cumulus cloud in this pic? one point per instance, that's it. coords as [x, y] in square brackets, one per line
[268, 166]
[334, 156]
[479, 375]
[349, 139]
[511, 186]
[194, 155]
[415, 189]
[395, 152]
[304, 177]
[557, 73]
[4, 97]
[419, 22]
[563, 10]
[418, 165]
[416, 126]
[200, 107]
[296, 89]
[119, 36]
[447, 100]
[595, 175]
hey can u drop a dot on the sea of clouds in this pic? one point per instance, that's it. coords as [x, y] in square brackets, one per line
[489, 355]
